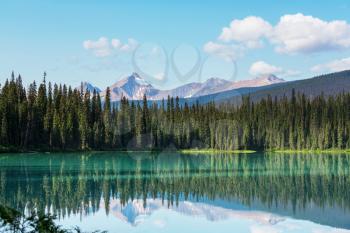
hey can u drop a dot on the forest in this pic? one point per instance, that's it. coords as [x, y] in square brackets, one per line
[52, 117]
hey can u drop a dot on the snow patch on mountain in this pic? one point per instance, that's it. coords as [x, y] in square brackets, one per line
[134, 87]
[88, 86]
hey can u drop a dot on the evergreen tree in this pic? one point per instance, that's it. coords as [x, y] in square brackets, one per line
[58, 117]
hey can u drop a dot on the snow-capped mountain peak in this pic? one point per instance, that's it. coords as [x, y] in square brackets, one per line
[215, 80]
[263, 80]
[134, 87]
[134, 79]
[88, 86]
[139, 80]
[270, 78]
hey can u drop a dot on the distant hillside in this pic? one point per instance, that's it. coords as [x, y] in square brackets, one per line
[328, 84]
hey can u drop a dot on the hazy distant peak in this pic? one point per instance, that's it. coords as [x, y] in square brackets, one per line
[88, 86]
[216, 81]
[270, 78]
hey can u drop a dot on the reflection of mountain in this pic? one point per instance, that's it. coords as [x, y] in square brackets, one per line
[194, 216]
[76, 183]
[310, 211]
[134, 212]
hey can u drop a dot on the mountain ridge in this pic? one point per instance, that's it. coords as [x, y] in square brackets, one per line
[327, 84]
[258, 88]
[134, 87]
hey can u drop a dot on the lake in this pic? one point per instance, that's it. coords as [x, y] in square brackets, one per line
[171, 192]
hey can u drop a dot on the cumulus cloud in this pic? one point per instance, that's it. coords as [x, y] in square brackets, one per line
[131, 45]
[293, 34]
[333, 66]
[100, 48]
[262, 68]
[104, 47]
[248, 31]
[227, 52]
[306, 34]
[116, 43]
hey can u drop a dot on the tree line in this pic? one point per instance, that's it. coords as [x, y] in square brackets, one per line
[58, 117]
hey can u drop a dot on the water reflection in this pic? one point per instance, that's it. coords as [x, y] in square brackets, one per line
[134, 186]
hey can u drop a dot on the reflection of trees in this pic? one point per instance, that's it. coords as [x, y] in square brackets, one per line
[75, 184]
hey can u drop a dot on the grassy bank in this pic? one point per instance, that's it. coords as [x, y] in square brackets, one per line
[328, 151]
[288, 151]
[212, 151]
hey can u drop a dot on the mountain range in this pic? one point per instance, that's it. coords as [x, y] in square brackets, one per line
[327, 85]
[223, 91]
[134, 87]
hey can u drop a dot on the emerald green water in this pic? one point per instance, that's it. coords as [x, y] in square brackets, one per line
[170, 192]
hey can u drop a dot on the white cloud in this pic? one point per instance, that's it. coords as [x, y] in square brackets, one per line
[333, 66]
[227, 52]
[306, 34]
[293, 34]
[100, 48]
[131, 45]
[104, 47]
[248, 31]
[116, 43]
[262, 68]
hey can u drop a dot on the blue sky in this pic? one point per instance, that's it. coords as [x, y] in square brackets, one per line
[102, 41]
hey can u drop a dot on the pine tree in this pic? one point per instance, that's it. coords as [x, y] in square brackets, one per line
[65, 118]
[4, 131]
[107, 119]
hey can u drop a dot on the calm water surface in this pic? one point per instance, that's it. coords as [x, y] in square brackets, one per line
[169, 192]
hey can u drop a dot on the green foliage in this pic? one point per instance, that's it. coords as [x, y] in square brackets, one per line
[13, 221]
[70, 119]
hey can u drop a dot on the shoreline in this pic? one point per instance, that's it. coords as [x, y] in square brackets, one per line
[317, 151]
[182, 151]
[213, 151]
